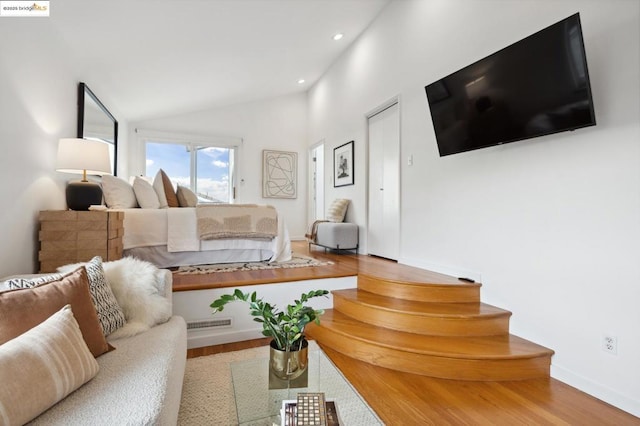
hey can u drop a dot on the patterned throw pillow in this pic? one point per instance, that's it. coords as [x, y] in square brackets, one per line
[110, 313]
[20, 283]
[337, 210]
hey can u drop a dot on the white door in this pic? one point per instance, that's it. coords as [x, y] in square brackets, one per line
[383, 237]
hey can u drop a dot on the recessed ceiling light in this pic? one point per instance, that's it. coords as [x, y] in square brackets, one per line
[301, 81]
[338, 36]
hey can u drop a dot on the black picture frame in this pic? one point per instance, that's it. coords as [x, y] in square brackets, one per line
[96, 122]
[343, 171]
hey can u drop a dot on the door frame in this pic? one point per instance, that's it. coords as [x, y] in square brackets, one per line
[313, 208]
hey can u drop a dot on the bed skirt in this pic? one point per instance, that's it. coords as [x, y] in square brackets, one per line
[162, 258]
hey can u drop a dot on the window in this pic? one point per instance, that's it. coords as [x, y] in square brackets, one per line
[207, 170]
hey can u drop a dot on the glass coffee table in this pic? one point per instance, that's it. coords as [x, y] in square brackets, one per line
[257, 404]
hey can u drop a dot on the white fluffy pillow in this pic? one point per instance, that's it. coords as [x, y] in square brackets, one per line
[145, 194]
[138, 287]
[118, 194]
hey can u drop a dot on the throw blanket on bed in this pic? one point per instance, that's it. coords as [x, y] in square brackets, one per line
[219, 221]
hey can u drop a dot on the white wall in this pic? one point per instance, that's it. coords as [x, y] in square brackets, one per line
[38, 105]
[278, 124]
[550, 225]
[194, 306]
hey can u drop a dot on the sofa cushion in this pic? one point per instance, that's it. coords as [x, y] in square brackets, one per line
[21, 310]
[42, 366]
[140, 383]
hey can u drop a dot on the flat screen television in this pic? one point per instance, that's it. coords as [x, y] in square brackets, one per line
[534, 87]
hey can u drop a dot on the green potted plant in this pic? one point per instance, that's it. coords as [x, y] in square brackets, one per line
[288, 354]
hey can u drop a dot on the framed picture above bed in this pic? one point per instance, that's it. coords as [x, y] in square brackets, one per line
[279, 174]
[343, 165]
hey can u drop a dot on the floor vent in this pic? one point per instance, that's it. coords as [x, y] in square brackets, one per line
[202, 324]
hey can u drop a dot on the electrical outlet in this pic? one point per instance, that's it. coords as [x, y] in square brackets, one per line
[610, 344]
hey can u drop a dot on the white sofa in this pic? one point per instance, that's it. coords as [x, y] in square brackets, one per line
[139, 383]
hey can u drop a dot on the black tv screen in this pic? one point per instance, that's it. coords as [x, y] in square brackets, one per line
[536, 86]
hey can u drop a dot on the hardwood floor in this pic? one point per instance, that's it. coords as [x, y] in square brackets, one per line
[407, 399]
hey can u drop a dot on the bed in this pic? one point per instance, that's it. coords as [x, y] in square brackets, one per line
[169, 237]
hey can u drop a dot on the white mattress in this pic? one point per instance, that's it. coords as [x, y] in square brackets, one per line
[175, 230]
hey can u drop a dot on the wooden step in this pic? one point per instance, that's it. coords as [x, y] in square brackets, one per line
[485, 358]
[438, 319]
[454, 291]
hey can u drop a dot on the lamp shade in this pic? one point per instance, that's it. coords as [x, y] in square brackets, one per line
[83, 155]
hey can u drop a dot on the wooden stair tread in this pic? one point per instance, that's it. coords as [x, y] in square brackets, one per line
[451, 290]
[412, 275]
[475, 347]
[411, 307]
[441, 281]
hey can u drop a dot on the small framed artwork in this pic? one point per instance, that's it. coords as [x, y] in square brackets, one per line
[343, 165]
[279, 174]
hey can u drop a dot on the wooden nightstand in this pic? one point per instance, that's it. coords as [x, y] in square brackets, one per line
[68, 236]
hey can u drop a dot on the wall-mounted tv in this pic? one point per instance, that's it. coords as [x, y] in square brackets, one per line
[534, 87]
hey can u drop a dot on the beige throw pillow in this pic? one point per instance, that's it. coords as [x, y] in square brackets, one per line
[338, 210]
[42, 366]
[186, 197]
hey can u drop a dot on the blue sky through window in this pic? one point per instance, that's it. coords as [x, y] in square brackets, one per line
[212, 180]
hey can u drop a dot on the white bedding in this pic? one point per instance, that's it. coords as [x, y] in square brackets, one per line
[176, 229]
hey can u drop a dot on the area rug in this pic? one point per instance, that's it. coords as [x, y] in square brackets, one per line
[297, 261]
[208, 393]
[207, 390]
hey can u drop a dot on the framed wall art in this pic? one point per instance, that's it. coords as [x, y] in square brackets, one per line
[343, 165]
[279, 174]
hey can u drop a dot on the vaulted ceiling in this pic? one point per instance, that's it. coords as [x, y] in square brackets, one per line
[163, 57]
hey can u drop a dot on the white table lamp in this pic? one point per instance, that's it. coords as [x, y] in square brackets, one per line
[83, 156]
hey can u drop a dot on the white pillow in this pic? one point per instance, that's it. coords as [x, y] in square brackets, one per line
[118, 194]
[138, 287]
[145, 194]
[43, 366]
[158, 186]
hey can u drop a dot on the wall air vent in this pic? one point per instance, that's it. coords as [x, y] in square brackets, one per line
[208, 323]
